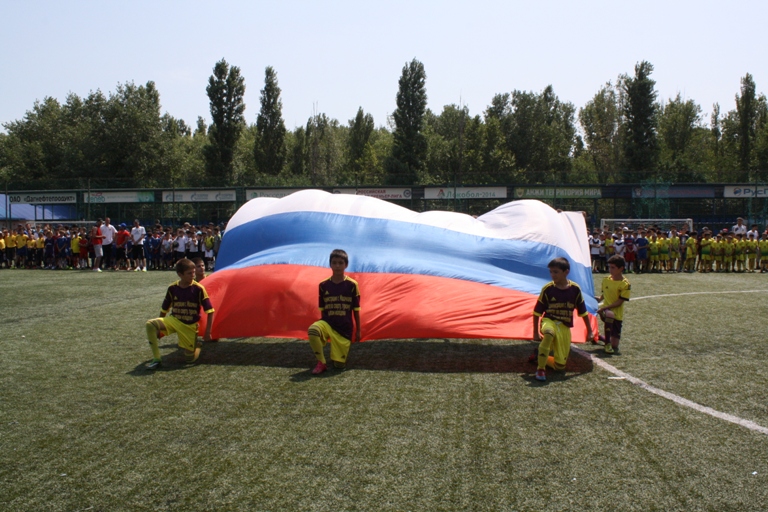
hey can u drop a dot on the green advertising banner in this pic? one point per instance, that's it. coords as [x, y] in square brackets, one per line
[558, 192]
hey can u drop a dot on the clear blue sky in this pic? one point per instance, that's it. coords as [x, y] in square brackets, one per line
[333, 57]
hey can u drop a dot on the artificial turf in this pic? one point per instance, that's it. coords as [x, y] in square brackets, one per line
[410, 425]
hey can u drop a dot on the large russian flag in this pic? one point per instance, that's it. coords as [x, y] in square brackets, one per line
[422, 275]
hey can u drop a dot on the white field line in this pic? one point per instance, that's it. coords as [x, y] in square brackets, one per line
[751, 425]
[635, 299]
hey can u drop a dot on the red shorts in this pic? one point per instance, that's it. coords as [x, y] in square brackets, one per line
[629, 256]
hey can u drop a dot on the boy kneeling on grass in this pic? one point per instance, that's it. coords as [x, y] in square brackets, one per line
[555, 307]
[184, 299]
[339, 302]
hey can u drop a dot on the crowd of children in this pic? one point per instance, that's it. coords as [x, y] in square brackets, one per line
[106, 247]
[650, 249]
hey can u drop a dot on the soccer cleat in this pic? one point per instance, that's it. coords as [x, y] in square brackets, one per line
[137, 269]
[609, 349]
[320, 368]
[339, 365]
[541, 375]
[192, 356]
[144, 269]
[154, 364]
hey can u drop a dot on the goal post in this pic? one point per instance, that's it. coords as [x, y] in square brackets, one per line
[633, 224]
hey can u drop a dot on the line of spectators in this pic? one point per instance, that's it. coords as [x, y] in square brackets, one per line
[652, 249]
[104, 246]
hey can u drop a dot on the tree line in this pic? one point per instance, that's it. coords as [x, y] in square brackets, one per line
[624, 134]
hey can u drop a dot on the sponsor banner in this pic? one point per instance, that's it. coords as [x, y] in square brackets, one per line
[465, 192]
[43, 198]
[378, 193]
[198, 196]
[120, 197]
[745, 191]
[253, 193]
[558, 192]
[672, 192]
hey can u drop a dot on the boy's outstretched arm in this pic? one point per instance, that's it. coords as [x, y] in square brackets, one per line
[356, 337]
[590, 334]
[536, 333]
[208, 327]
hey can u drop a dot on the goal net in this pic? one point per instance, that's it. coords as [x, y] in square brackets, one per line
[633, 224]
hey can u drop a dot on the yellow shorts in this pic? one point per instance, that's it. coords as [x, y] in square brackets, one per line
[706, 257]
[187, 333]
[339, 344]
[664, 257]
[561, 344]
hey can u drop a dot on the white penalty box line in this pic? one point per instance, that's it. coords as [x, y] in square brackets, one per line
[751, 425]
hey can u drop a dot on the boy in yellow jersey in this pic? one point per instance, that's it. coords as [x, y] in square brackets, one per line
[727, 253]
[739, 255]
[762, 246]
[2, 249]
[31, 252]
[339, 303]
[690, 252]
[706, 253]
[653, 254]
[39, 249]
[555, 308]
[74, 249]
[751, 251]
[10, 247]
[717, 252]
[609, 248]
[615, 291]
[183, 299]
[674, 251]
[21, 247]
[663, 252]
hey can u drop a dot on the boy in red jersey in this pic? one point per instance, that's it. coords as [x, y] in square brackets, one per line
[555, 308]
[185, 297]
[339, 301]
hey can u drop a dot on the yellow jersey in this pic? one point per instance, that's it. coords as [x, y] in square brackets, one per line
[615, 290]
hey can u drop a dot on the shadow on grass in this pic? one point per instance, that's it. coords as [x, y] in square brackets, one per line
[425, 356]
[171, 362]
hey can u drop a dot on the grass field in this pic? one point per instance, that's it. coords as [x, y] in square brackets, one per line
[411, 425]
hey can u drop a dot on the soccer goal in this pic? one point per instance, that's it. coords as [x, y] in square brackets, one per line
[665, 224]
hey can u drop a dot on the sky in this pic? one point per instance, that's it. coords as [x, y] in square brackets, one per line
[335, 56]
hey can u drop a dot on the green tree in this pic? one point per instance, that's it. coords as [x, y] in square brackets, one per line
[679, 122]
[131, 141]
[361, 161]
[639, 108]
[410, 145]
[751, 114]
[600, 120]
[269, 149]
[225, 90]
[541, 133]
[323, 150]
